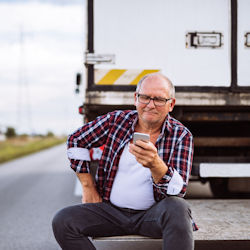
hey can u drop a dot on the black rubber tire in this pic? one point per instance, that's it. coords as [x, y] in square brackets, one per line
[219, 187]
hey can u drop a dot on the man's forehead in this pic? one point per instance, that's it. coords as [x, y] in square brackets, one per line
[153, 80]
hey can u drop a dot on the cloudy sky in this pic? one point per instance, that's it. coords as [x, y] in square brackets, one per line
[41, 50]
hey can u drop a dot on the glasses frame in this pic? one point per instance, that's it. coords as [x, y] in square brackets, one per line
[153, 99]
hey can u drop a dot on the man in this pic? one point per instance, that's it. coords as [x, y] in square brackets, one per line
[139, 187]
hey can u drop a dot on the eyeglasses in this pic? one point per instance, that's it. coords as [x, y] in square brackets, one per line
[158, 101]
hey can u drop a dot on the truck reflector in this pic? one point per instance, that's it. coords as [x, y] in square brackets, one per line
[81, 110]
[120, 76]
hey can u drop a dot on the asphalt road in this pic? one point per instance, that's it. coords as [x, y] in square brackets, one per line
[33, 188]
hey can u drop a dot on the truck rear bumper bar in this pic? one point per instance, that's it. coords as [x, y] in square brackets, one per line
[208, 170]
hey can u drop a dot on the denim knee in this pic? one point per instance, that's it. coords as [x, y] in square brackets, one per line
[61, 221]
[175, 210]
[173, 203]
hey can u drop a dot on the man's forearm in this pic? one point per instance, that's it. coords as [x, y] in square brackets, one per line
[86, 179]
[158, 170]
[90, 194]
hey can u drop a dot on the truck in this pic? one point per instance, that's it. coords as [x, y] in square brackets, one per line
[203, 46]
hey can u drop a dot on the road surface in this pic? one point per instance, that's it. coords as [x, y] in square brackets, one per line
[33, 188]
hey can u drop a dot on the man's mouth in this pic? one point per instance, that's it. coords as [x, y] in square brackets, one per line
[150, 112]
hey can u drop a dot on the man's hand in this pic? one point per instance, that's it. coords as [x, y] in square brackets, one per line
[89, 194]
[146, 154]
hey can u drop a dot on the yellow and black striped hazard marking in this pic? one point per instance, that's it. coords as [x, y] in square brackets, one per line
[120, 76]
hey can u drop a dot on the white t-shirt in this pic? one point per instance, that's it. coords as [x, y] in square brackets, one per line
[132, 187]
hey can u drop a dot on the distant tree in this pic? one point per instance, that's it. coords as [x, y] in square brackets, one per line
[10, 132]
[50, 134]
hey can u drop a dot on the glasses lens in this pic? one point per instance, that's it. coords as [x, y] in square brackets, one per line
[159, 102]
[144, 99]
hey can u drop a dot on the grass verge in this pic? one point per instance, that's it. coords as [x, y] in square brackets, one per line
[17, 147]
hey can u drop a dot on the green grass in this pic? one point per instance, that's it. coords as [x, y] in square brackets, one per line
[17, 147]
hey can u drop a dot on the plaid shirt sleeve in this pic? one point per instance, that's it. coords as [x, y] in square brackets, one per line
[180, 161]
[92, 134]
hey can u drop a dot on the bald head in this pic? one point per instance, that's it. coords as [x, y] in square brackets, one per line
[160, 76]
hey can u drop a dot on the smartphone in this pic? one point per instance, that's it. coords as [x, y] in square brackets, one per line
[140, 136]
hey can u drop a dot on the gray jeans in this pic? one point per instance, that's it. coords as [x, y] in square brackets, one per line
[169, 219]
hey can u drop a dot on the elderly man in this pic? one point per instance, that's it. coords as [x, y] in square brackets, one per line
[139, 187]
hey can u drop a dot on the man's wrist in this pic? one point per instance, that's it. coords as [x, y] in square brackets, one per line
[158, 170]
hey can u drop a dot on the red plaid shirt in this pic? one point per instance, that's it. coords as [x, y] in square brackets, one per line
[115, 130]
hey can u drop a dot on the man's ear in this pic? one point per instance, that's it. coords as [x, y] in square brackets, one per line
[172, 103]
[135, 99]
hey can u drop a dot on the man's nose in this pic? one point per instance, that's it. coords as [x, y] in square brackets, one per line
[151, 103]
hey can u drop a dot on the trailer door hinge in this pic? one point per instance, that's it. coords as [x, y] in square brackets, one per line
[91, 58]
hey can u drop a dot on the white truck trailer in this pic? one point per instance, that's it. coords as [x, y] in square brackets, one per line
[203, 46]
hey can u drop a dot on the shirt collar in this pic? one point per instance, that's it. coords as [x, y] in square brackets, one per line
[134, 121]
[167, 124]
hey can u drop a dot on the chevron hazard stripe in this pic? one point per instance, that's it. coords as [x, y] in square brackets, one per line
[120, 76]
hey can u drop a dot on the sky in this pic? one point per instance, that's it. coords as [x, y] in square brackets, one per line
[41, 50]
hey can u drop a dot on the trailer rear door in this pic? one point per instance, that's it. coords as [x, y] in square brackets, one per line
[244, 42]
[187, 40]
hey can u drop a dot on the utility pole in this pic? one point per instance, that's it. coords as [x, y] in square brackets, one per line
[24, 114]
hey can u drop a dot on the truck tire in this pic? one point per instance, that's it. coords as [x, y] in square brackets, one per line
[219, 187]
